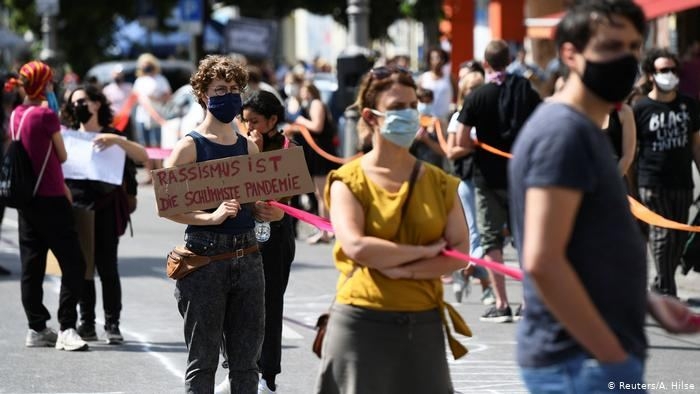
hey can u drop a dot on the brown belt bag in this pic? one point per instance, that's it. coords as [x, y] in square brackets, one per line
[182, 261]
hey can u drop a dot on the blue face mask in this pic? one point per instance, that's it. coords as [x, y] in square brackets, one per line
[400, 126]
[226, 107]
[53, 102]
[425, 109]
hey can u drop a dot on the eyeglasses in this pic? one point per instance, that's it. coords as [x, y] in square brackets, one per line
[222, 90]
[383, 72]
[667, 70]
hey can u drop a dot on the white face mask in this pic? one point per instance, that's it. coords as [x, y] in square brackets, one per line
[666, 82]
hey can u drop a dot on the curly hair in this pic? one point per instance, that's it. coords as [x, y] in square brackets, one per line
[217, 67]
[94, 94]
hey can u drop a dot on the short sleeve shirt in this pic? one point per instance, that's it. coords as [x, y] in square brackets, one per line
[434, 195]
[664, 135]
[560, 147]
[36, 136]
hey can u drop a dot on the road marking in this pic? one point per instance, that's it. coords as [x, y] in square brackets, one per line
[140, 339]
[289, 333]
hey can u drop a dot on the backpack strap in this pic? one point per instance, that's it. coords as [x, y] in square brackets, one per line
[21, 122]
[43, 167]
[17, 138]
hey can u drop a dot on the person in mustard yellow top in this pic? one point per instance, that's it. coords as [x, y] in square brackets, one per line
[387, 327]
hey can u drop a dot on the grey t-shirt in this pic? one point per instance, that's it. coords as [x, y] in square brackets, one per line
[560, 147]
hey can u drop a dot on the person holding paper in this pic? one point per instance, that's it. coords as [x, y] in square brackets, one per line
[101, 209]
[224, 298]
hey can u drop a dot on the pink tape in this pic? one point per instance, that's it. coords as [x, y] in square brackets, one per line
[325, 224]
[321, 223]
[158, 153]
[514, 273]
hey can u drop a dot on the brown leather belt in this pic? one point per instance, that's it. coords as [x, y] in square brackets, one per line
[238, 253]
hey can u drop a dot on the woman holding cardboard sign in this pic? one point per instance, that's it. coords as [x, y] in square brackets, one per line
[226, 297]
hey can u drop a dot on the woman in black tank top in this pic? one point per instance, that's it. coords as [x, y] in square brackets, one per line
[225, 298]
[622, 132]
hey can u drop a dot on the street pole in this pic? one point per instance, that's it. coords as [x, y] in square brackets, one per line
[48, 38]
[358, 23]
[358, 43]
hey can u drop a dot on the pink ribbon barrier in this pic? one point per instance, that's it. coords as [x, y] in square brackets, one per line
[158, 153]
[514, 273]
[321, 223]
[325, 224]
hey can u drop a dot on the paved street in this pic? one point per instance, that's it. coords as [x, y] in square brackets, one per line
[152, 360]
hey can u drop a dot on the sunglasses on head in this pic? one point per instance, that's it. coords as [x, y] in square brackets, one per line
[379, 73]
[667, 70]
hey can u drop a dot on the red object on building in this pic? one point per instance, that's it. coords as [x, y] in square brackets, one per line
[460, 17]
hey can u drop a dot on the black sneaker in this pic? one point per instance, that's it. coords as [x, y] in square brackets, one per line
[87, 332]
[495, 315]
[112, 334]
[518, 313]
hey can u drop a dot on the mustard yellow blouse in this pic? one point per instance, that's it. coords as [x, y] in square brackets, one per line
[426, 217]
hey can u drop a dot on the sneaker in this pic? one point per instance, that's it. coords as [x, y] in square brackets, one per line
[263, 388]
[44, 338]
[223, 387]
[518, 313]
[87, 332]
[69, 340]
[112, 334]
[495, 315]
[487, 296]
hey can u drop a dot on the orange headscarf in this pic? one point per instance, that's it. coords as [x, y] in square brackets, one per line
[35, 76]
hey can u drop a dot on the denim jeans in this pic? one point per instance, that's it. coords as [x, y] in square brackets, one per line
[467, 196]
[222, 299]
[582, 374]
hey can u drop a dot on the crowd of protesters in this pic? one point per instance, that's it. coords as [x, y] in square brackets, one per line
[414, 192]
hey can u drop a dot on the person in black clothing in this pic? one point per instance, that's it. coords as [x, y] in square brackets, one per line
[497, 110]
[104, 207]
[620, 128]
[317, 119]
[262, 114]
[668, 126]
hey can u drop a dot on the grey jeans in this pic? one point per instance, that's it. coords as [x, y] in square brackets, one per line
[224, 298]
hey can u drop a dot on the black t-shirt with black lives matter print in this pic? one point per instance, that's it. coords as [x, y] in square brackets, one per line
[664, 137]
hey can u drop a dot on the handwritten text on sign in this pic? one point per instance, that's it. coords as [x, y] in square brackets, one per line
[203, 185]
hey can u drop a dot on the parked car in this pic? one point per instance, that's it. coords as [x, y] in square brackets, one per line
[177, 72]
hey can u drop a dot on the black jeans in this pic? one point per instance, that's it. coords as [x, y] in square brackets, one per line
[278, 254]
[48, 224]
[222, 299]
[106, 246]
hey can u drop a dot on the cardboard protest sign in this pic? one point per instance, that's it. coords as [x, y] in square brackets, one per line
[261, 176]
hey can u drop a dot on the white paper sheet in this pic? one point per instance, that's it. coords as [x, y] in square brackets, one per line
[86, 162]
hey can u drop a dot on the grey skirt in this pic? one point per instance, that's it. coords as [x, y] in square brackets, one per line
[380, 352]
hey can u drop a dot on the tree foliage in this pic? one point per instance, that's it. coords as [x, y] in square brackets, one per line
[84, 30]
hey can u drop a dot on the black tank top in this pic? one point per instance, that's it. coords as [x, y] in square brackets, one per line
[208, 150]
[614, 132]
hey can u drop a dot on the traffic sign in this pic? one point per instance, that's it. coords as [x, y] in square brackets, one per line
[191, 12]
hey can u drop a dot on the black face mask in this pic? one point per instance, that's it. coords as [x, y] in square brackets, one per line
[149, 69]
[82, 113]
[612, 81]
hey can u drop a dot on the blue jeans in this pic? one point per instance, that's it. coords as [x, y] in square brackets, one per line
[582, 374]
[466, 195]
[223, 299]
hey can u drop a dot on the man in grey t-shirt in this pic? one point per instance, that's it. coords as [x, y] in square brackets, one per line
[583, 256]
